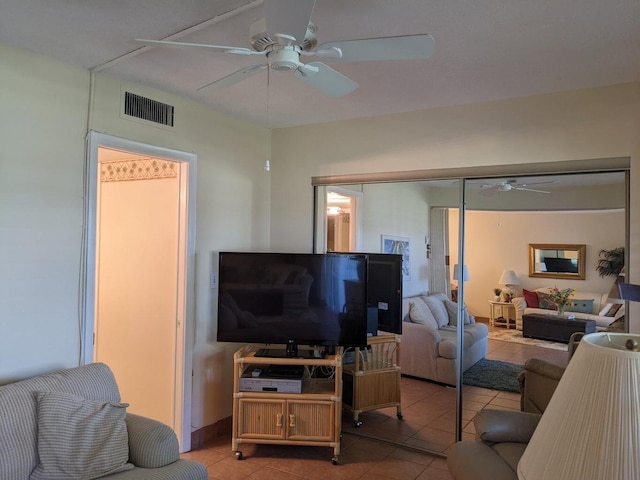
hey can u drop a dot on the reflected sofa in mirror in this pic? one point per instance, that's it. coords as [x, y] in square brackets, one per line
[550, 260]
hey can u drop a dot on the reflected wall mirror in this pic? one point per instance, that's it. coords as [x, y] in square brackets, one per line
[550, 260]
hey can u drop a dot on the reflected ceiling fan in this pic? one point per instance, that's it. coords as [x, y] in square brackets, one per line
[285, 34]
[510, 185]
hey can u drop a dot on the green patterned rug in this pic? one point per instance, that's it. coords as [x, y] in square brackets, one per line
[511, 335]
[493, 374]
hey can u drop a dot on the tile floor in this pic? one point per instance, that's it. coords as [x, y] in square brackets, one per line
[428, 423]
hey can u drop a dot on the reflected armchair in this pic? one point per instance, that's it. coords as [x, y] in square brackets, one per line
[503, 435]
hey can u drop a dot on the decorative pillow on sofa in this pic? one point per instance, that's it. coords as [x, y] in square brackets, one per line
[614, 309]
[531, 298]
[435, 303]
[584, 305]
[452, 311]
[420, 313]
[79, 439]
[544, 301]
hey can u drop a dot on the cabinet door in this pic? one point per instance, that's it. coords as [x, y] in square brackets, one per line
[261, 419]
[311, 420]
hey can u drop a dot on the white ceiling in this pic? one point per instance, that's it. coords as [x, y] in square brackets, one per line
[485, 50]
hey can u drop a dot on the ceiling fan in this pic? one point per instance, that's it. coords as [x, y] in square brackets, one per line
[285, 34]
[510, 185]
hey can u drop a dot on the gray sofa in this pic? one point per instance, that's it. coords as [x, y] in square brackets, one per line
[429, 338]
[71, 424]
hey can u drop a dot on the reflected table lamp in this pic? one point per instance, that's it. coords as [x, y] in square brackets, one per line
[509, 279]
[591, 428]
[456, 273]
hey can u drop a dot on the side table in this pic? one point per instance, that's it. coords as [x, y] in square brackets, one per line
[502, 314]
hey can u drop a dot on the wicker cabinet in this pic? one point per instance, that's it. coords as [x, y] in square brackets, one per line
[372, 381]
[311, 418]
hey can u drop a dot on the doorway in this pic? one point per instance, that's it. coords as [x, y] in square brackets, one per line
[139, 293]
[342, 220]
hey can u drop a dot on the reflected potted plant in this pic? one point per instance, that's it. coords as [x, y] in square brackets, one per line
[611, 262]
[497, 292]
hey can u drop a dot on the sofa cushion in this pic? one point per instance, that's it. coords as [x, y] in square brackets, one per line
[582, 305]
[447, 346]
[419, 312]
[531, 298]
[439, 311]
[79, 438]
[452, 312]
[545, 302]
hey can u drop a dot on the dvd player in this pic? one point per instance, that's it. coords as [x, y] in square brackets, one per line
[257, 379]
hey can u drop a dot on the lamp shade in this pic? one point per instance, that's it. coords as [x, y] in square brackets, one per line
[456, 273]
[591, 428]
[508, 277]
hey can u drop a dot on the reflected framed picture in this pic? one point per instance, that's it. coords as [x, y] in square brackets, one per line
[399, 246]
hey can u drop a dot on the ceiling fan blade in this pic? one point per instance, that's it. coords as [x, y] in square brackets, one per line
[327, 80]
[236, 76]
[530, 190]
[169, 43]
[289, 17]
[409, 47]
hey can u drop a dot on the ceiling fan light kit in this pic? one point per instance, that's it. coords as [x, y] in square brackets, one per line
[286, 32]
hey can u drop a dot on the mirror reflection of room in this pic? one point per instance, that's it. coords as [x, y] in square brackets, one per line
[503, 216]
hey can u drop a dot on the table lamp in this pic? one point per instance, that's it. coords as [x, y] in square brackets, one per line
[456, 273]
[591, 428]
[508, 279]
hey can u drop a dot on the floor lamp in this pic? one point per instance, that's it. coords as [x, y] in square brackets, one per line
[591, 427]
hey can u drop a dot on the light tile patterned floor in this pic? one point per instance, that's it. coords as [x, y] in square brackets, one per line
[429, 423]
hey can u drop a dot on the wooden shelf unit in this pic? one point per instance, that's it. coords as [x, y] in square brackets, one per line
[310, 418]
[372, 381]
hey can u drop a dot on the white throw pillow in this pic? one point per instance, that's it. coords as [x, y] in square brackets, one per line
[439, 311]
[605, 309]
[80, 439]
[452, 311]
[420, 313]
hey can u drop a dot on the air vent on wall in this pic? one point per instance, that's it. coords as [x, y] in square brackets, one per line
[148, 109]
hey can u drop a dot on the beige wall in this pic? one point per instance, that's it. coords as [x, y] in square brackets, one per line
[497, 241]
[43, 124]
[587, 124]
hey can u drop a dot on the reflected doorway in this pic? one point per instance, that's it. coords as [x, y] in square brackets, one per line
[342, 215]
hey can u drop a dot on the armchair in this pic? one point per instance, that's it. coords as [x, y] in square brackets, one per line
[503, 435]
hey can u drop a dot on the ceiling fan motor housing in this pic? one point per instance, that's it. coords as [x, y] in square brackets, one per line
[261, 40]
[284, 60]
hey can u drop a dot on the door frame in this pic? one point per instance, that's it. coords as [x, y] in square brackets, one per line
[186, 332]
[355, 224]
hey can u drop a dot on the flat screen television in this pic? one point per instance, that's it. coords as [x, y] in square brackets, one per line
[561, 265]
[293, 299]
[384, 292]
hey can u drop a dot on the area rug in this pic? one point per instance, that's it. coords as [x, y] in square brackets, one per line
[493, 374]
[510, 335]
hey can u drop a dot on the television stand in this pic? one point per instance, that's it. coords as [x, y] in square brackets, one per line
[311, 418]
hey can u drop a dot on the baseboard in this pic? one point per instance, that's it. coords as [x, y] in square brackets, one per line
[210, 432]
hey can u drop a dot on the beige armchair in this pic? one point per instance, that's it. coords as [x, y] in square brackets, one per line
[503, 435]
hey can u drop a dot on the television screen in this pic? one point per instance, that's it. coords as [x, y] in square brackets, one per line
[384, 292]
[293, 298]
[561, 265]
